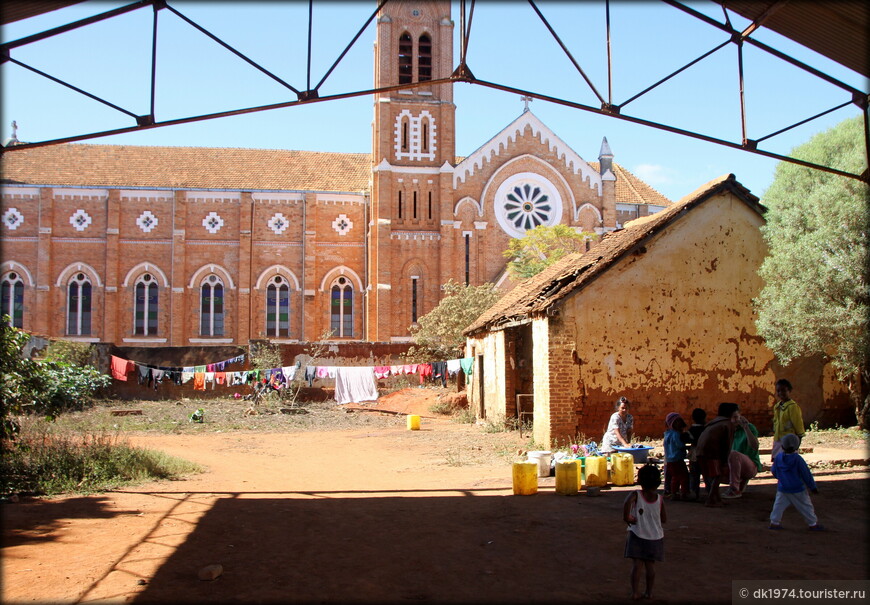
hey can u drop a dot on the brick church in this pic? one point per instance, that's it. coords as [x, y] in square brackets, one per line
[179, 246]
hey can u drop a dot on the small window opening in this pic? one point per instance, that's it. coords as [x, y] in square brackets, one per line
[405, 59]
[424, 59]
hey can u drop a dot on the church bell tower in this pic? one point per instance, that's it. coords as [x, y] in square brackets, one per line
[413, 153]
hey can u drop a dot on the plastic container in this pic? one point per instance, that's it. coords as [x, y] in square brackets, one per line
[543, 460]
[580, 470]
[596, 471]
[525, 478]
[413, 422]
[639, 453]
[621, 469]
[567, 483]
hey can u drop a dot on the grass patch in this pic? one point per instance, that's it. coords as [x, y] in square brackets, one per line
[43, 461]
[464, 416]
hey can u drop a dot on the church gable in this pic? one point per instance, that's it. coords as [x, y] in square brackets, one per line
[503, 146]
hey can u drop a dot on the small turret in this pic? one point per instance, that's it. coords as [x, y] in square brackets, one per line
[605, 157]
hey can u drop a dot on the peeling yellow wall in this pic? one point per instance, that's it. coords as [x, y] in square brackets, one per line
[672, 328]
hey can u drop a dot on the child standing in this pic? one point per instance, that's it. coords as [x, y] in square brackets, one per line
[699, 419]
[787, 417]
[676, 473]
[644, 511]
[793, 477]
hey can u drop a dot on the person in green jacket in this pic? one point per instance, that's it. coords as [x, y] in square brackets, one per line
[787, 418]
[743, 461]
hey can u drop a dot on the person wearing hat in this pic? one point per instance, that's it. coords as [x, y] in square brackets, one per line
[675, 457]
[714, 446]
[793, 477]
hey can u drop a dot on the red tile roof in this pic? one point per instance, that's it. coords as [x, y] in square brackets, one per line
[187, 167]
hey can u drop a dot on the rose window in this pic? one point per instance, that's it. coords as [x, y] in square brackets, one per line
[525, 201]
[80, 220]
[146, 221]
[278, 223]
[213, 222]
[342, 224]
[13, 218]
[527, 206]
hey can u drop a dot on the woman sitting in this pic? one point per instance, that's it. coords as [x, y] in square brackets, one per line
[619, 428]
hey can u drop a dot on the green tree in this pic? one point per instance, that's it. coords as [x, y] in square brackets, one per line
[43, 387]
[815, 298]
[438, 334]
[542, 246]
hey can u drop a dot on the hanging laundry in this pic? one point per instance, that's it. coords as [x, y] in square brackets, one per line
[467, 364]
[209, 379]
[355, 385]
[187, 377]
[199, 369]
[144, 374]
[120, 367]
[157, 377]
[190, 369]
[382, 371]
[439, 372]
[209, 367]
[453, 367]
[424, 370]
[396, 370]
[199, 381]
[289, 373]
[310, 375]
[220, 378]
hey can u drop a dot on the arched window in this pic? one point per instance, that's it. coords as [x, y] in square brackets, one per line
[13, 299]
[211, 296]
[405, 59]
[424, 59]
[341, 308]
[415, 282]
[145, 312]
[278, 307]
[78, 306]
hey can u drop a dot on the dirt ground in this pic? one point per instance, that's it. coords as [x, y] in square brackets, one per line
[382, 514]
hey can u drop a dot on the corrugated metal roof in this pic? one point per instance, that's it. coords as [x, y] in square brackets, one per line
[542, 291]
[837, 30]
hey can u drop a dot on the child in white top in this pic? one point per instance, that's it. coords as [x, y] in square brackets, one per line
[644, 511]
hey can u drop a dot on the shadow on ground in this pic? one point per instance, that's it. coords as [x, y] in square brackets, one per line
[491, 547]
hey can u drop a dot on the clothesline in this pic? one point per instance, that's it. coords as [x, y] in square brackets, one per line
[213, 374]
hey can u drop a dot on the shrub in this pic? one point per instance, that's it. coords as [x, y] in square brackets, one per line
[43, 462]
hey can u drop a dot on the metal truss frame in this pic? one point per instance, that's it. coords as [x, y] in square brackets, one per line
[461, 73]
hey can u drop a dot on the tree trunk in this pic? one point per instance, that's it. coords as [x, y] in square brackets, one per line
[859, 391]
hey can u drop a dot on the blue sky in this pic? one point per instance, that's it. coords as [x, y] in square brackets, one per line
[509, 45]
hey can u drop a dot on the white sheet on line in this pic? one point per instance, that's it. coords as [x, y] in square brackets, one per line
[355, 384]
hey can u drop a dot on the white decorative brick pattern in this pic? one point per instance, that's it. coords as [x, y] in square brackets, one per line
[13, 218]
[147, 221]
[213, 222]
[81, 220]
[342, 224]
[278, 223]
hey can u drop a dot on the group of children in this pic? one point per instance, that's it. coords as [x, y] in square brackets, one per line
[644, 509]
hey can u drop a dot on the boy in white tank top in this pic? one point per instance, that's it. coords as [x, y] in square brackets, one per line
[644, 511]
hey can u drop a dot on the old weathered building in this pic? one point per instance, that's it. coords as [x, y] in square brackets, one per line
[660, 312]
[180, 246]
